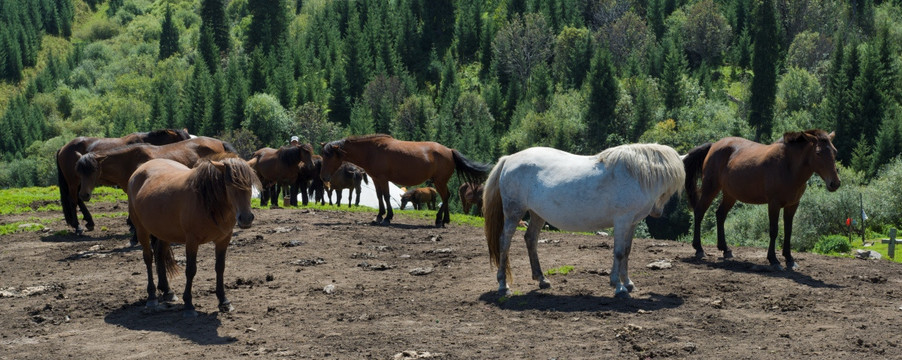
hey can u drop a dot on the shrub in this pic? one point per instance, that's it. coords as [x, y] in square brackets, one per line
[833, 244]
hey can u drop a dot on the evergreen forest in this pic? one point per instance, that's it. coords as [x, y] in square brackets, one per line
[488, 77]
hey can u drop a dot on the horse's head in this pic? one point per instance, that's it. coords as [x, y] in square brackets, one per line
[404, 200]
[87, 169]
[239, 181]
[822, 157]
[333, 156]
[307, 155]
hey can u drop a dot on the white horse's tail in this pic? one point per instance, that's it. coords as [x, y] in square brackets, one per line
[493, 212]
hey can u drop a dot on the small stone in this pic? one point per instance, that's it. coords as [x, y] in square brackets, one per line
[421, 271]
[602, 233]
[250, 329]
[329, 289]
[660, 265]
[689, 347]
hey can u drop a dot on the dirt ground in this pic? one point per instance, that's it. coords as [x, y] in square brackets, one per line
[83, 298]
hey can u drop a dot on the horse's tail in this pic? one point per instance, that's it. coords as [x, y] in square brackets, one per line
[493, 212]
[164, 252]
[65, 197]
[366, 179]
[693, 162]
[469, 170]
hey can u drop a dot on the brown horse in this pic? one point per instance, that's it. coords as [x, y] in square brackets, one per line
[348, 176]
[280, 167]
[418, 197]
[754, 173]
[470, 195]
[306, 176]
[117, 165]
[69, 154]
[405, 163]
[171, 203]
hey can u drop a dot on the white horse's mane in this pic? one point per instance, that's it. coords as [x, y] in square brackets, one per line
[653, 165]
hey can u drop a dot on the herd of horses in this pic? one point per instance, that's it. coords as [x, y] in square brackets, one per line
[193, 190]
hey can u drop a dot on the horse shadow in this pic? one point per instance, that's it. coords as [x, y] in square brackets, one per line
[71, 237]
[742, 266]
[202, 330]
[392, 225]
[538, 300]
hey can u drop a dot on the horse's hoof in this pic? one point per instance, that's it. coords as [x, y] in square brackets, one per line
[89, 226]
[386, 222]
[622, 294]
[132, 243]
[152, 304]
[791, 266]
[545, 284]
[727, 254]
[189, 314]
[226, 307]
[79, 232]
[505, 292]
[776, 267]
[630, 286]
[169, 298]
[699, 255]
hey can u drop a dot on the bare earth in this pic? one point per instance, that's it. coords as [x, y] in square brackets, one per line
[88, 293]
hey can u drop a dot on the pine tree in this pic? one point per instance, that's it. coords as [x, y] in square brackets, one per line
[361, 122]
[213, 18]
[169, 36]
[643, 112]
[339, 99]
[887, 145]
[207, 49]
[604, 91]
[675, 65]
[268, 24]
[357, 68]
[198, 97]
[764, 66]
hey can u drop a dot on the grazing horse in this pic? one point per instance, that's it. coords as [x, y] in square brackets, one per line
[419, 196]
[69, 154]
[348, 176]
[471, 194]
[306, 176]
[405, 163]
[172, 203]
[754, 173]
[117, 165]
[280, 167]
[618, 187]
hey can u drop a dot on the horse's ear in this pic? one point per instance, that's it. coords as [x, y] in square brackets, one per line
[791, 137]
[99, 158]
[832, 134]
[219, 166]
[78, 154]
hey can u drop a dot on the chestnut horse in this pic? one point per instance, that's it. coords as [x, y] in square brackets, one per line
[348, 176]
[471, 194]
[754, 173]
[170, 203]
[280, 167]
[69, 154]
[617, 187]
[116, 166]
[419, 196]
[405, 163]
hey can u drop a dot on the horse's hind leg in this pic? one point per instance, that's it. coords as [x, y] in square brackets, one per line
[357, 203]
[504, 245]
[725, 205]
[190, 271]
[162, 278]
[443, 215]
[532, 241]
[708, 192]
[224, 304]
[623, 243]
[143, 237]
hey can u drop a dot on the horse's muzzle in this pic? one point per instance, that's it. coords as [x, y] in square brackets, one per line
[245, 220]
[84, 196]
[833, 185]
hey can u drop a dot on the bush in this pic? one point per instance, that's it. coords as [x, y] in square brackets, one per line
[833, 244]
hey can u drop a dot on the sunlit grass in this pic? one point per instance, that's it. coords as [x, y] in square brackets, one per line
[42, 199]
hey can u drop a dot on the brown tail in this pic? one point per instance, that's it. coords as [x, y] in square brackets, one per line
[69, 210]
[493, 212]
[164, 253]
[693, 164]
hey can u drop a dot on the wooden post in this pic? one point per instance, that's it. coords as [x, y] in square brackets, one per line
[891, 250]
[861, 208]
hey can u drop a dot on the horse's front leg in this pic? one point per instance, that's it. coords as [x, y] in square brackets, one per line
[623, 239]
[190, 271]
[224, 304]
[788, 213]
[532, 241]
[86, 215]
[773, 214]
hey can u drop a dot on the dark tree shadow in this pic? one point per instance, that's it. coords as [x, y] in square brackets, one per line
[202, 330]
[538, 300]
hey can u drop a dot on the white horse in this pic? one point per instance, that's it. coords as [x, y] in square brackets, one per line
[617, 187]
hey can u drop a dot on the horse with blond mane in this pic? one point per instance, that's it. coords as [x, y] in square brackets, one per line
[618, 187]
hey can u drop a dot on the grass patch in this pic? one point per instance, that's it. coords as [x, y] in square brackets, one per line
[41, 199]
[563, 270]
[31, 225]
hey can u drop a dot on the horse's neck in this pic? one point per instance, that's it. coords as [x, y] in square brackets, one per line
[118, 167]
[799, 169]
[356, 152]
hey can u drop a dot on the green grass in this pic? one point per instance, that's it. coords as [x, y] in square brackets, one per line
[36, 224]
[563, 270]
[39, 199]
[878, 246]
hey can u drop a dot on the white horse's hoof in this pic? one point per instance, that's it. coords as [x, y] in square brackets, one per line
[504, 292]
[630, 286]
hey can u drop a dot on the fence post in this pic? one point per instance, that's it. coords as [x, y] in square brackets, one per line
[891, 251]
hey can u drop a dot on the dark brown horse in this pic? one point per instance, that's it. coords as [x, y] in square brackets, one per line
[405, 163]
[348, 176]
[117, 165]
[754, 173]
[306, 176]
[280, 167]
[419, 196]
[172, 203]
[69, 154]
[470, 195]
